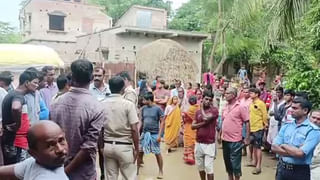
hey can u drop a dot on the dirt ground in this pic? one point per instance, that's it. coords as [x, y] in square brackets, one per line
[175, 169]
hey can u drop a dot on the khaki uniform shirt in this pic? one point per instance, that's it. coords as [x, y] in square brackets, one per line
[131, 95]
[120, 115]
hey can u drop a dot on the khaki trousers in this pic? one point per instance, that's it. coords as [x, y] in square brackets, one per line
[118, 157]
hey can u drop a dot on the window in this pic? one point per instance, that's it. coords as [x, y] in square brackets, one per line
[144, 18]
[105, 54]
[29, 17]
[56, 22]
[27, 22]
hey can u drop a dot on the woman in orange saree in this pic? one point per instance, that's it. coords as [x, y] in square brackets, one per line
[189, 137]
[172, 123]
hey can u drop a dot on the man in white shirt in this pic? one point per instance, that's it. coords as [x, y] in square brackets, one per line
[5, 81]
[174, 92]
[3, 93]
[98, 88]
[48, 148]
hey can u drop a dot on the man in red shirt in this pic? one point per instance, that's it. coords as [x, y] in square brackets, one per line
[15, 119]
[205, 123]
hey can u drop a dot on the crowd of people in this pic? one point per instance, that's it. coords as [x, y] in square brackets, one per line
[55, 128]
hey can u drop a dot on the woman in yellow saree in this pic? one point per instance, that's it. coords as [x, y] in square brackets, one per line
[172, 123]
[189, 137]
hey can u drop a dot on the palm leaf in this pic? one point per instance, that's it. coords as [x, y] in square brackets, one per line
[286, 14]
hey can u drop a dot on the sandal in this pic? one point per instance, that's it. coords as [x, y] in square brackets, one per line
[256, 171]
[160, 176]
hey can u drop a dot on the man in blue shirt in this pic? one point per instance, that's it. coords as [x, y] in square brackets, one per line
[242, 73]
[153, 124]
[296, 142]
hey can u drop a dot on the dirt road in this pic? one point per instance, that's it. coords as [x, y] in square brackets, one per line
[175, 169]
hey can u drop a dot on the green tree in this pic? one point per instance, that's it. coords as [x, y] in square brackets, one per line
[116, 8]
[303, 53]
[190, 17]
[286, 15]
[285, 33]
[8, 34]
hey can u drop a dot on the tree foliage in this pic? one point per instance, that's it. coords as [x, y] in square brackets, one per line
[302, 56]
[189, 17]
[245, 26]
[8, 33]
[116, 8]
[286, 14]
[285, 33]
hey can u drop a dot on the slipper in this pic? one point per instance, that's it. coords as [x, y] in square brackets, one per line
[256, 171]
[160, 177]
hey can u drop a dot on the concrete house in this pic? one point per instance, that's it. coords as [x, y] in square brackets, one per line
[56, 23]
[139, 26]
[75, 29]
[144, 17]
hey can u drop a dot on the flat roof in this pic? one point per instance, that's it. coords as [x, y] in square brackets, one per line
[169, 33]
[45, 40]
